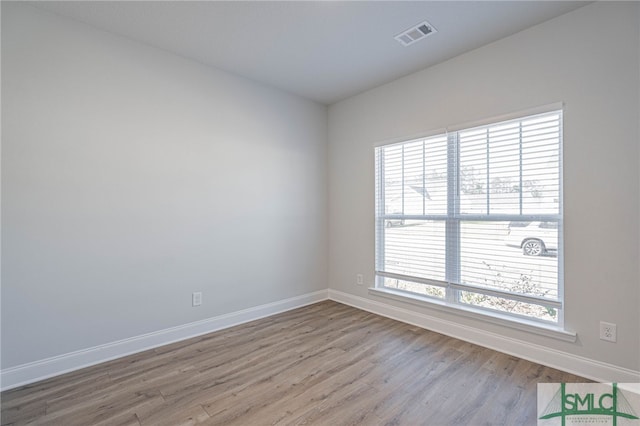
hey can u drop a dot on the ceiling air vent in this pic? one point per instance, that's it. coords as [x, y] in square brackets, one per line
[415, 33]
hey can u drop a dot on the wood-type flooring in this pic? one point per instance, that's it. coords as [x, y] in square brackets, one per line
[323, 364]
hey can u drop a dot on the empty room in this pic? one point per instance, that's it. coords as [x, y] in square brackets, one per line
[321, 213]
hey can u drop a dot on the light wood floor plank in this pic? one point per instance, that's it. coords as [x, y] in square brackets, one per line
[324, 364]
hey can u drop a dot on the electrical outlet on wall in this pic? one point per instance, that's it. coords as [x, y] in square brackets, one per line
[608, 331]
[359, 279]
[196, 298]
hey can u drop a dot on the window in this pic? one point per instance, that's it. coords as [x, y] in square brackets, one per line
[473, 218]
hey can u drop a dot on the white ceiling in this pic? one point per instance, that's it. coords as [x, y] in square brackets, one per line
[322, 50]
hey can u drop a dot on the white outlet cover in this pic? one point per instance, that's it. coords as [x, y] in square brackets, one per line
[196, 298]
[608, 331]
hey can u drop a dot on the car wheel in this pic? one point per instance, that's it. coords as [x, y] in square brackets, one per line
[532, 247]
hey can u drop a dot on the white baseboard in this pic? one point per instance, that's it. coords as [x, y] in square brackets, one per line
[585, 367]
[46, 368]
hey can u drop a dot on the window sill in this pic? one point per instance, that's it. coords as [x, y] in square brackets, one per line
[533, 327]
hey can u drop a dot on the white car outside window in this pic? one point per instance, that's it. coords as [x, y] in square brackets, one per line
[534, 238]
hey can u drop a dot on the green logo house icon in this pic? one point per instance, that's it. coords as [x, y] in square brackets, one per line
[597, 402]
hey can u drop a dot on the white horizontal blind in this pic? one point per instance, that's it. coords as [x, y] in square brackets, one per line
[474, 217]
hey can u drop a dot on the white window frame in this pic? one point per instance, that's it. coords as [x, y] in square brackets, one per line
[453, 218]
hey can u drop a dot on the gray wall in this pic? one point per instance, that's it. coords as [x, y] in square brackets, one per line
[588, 59]
[132, 177]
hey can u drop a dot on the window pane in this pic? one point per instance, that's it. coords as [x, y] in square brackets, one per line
[392, 157]
[415, 248]
[511, 168]
[418, 288]
[509, 306]
[541, 165]
[504, 168]
[509, 256]
[473, 171]
[413, 178]
[435, 166]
